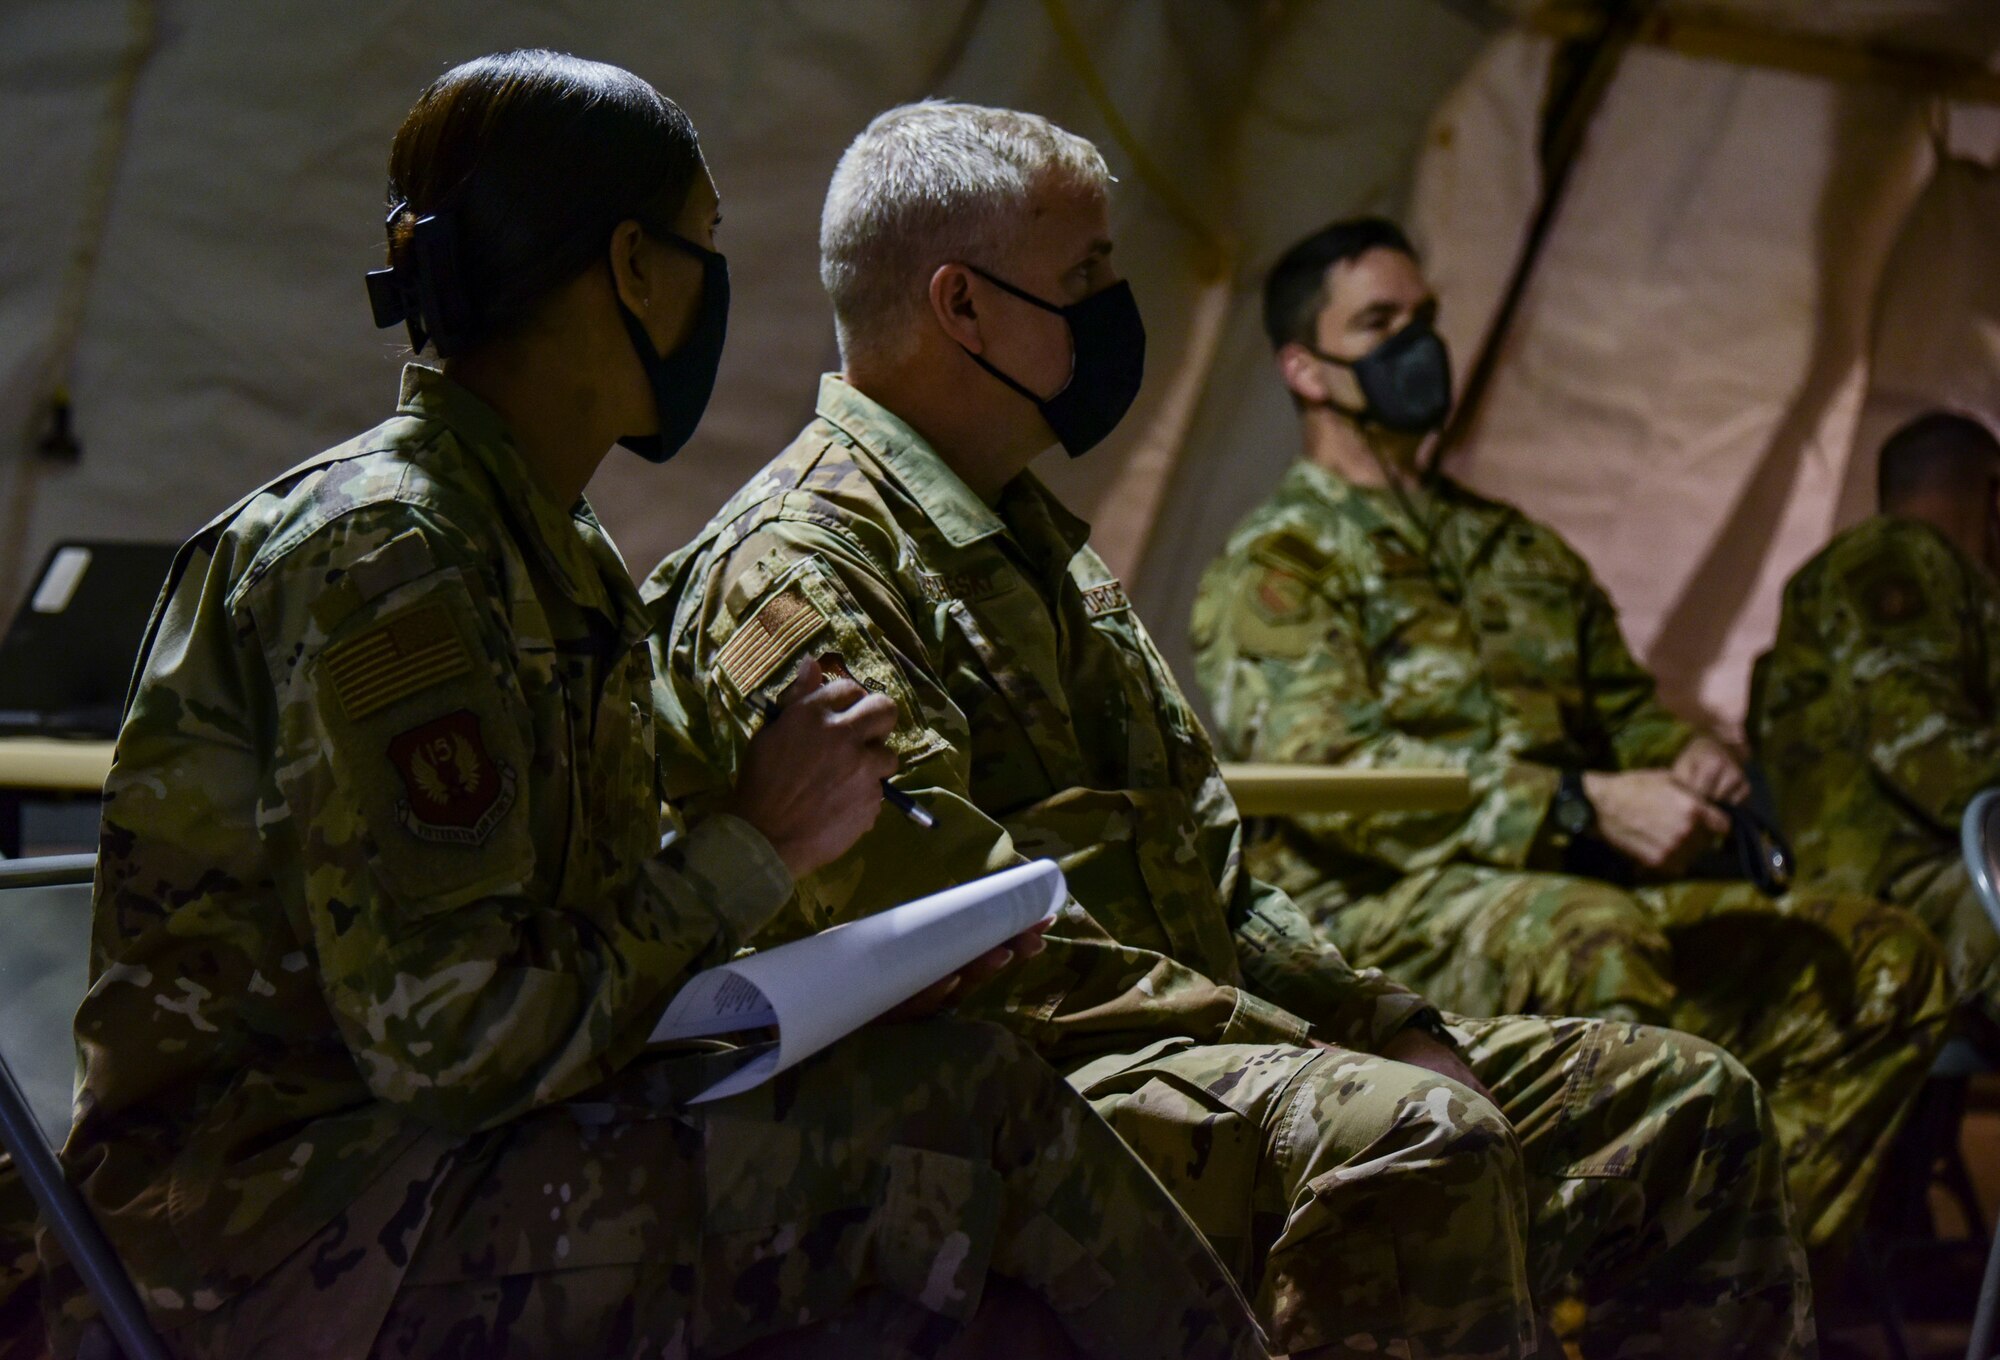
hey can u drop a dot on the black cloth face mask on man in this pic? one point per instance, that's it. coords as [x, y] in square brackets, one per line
[683, 380]
[1108, 361]
[1405, 380]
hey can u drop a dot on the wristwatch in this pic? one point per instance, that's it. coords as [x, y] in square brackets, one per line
[1572, 810]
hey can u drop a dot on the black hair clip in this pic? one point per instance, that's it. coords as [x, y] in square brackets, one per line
[426, 292]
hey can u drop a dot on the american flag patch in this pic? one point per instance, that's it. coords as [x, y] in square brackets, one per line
[782, 625]
[395, 659]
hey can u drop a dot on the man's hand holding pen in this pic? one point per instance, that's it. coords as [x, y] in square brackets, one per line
[812, 777]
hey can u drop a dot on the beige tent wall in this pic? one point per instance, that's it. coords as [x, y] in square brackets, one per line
[1937, 319]
[1680, 390]
[1722, 316]
[1689, 375]
[224, 333]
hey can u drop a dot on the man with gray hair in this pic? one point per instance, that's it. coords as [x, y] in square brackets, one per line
[1382, 1179]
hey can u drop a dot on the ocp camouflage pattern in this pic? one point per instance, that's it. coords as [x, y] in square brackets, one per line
[383, 920]
[1874, 716]
[1364, 1204]
[1361, 628]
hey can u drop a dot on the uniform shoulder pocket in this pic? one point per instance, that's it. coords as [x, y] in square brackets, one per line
[807, 612]
[425, 737]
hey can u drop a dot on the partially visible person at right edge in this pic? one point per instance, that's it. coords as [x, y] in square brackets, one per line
[1876, 713]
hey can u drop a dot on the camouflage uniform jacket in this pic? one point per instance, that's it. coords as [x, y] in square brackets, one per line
[1036, 718]
[1334, 631]
[1874, 712]
[381, 859]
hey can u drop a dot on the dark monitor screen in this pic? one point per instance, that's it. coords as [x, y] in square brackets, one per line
[67, 657]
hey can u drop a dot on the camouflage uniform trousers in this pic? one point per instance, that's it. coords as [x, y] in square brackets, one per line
[1381, 1210]
[871, 1189]
[1836, 1004]
[1939, 893]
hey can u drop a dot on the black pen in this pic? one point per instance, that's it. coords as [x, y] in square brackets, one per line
[896, 798]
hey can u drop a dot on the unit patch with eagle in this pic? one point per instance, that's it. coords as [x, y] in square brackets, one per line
[455, 792]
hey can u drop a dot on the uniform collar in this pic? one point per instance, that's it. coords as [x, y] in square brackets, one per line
[944, 498]
[1463, 523]
[1033, 515]
[570, 543]
[1367, 507]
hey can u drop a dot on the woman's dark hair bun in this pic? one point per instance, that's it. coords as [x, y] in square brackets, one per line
[529, 159]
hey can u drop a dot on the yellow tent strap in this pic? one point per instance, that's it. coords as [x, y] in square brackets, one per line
[74, 300]
[49, 408]
[1213, 258]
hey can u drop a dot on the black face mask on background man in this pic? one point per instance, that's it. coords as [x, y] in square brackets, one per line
[1405, 380]
[1108, 361]
[683, 380]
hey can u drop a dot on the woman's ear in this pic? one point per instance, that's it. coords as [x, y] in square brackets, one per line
[953, 305]
[629, 273]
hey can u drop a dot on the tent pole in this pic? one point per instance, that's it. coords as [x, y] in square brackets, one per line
[1126, 513]
[1582, 74]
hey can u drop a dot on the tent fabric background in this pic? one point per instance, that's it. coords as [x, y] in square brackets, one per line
[227, 333]
[1937, 315]
[1718, 323]
[1683, 391]
[1680, 390]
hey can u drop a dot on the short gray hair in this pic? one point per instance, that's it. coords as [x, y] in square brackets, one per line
[924, 185]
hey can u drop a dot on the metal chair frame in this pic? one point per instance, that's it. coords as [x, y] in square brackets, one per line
[1979, 841]
[63, 1210]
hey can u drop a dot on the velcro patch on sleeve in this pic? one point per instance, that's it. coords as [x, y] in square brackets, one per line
[1290, 551]
[768, 638]
[396, 658]
[1109, 598]
[1279, 595]
[1896, 597]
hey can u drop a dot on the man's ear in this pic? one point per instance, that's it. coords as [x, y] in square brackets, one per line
[630, 276]
[1303, 374]
[954, 306]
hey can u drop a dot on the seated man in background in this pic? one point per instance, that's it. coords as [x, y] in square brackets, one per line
[1374, 613]
[1874, 712]
[1382, 1183]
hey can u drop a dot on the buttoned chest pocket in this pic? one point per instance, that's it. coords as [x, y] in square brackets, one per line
[1161, 724]
[1424, 652]
[1018, 735]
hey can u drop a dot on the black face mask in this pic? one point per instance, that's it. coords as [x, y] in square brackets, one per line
[1107, 361]
[1405, 381]
[682, 380]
